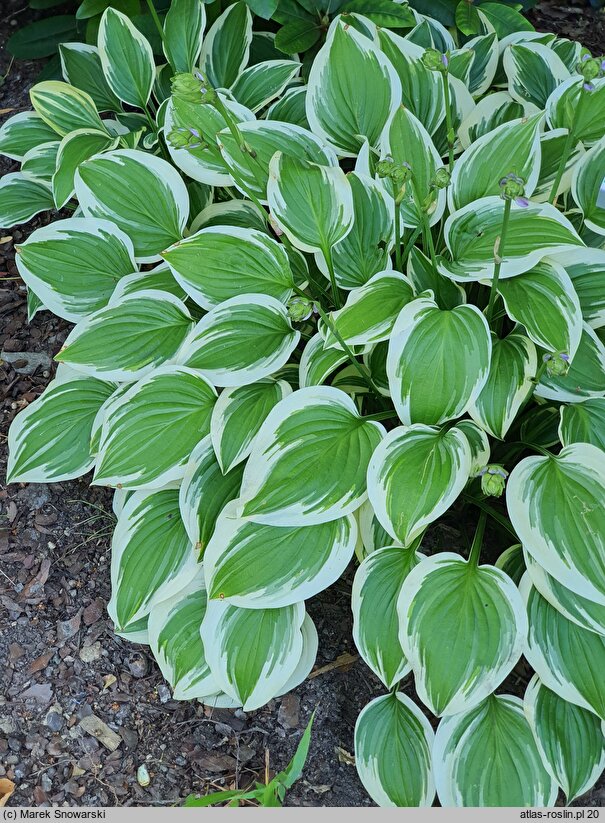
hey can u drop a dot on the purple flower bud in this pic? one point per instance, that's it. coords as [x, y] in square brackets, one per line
[586, 57]
[194, 132]
[522, 201]
[444, 60]
[588, 86]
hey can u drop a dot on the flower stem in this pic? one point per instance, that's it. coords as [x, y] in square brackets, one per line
[495, 515]
[398, 262]
[327, 253]
[499, 256]
[475, 551]
[567, 147]
[448, 120]
[156, 19]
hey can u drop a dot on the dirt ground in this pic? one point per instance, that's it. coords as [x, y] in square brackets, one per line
[61, 661]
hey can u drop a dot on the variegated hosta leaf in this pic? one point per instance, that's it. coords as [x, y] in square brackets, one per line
[372, 535]
[136, 632]
[438, 361]
[393, 743]
[407, 141]
[204, 492]
[50, 439]
[584, 423]
[365, 249]
[488, 757]
[514, 145]
[237, 416]
[257, 566]
[152, 430]
[371, 310]
[238, 213]
[22, 132]
[290, 107]
[220, 262]
[312, 204]
[77, 146]
[158, 279]
[569, 738]
[424, 277]
[490, 112]
[174, 637]
[512, 562]
[258, 85]
[585, 613]
[22, 198]
[353, 90]
[64, 108]
[534, 71]
[404, 505]
[126, 58]
[151, 555]
[317, 363]
[462, 628]
[545, 302]
[252, 653]
[479, 443]
[183, 27]
[586, 375]
[39, 163]
[586, 267]
[128, 338]
[376, 587]
[204, 164]
[567, 658]
[240, 341]
[552, 147]
[73, 265]
[265, 137]
[421, 88]
[226, 46]
[588, 120]
[513, 366]
[556, 507]
[142, 194]
[586, 186]
[483, 67]
[534, 232]
[81, 67]
[308, 461]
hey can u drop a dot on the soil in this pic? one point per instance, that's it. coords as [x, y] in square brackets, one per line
[63, 663]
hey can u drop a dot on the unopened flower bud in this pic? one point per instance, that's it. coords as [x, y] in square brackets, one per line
[493, 480]
[589, 67]
[299, 309]
[442, 179]
[186, 87]
[435, 60]
[557, 365]
[512, 187]
[385, 167]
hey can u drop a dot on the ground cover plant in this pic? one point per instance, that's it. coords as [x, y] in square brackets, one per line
[318, 304]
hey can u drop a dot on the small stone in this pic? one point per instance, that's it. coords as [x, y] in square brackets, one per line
[41, 692]
[138, 666]
[67, 628]
[96, 727]
[25, 362]
[143, 778]
[93, 612]
[288, 714]
[130, 737]
[88, 654]
[7, 725]
[46, 783]
[54, 721]
[163, 693]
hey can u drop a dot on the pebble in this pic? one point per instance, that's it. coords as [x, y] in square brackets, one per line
[138, 666]
[46, 783]
[143, 778]
[88, 654]
[163, 693]
[54, 721]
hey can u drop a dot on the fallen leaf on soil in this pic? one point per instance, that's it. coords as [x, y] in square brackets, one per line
[344, 661]
[214, 762]
[108, 680]
[344, 756]
[94, 726]
[36, 584]
[40, 663]
[7, 787]
[67, 628]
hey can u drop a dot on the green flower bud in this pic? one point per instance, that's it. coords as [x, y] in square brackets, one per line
[589, 68]
[299, 309]
[385, 167]
[512, 187]
[442, 179]
[557, 365]
[186, 87]
[435, 60]
[493, 480]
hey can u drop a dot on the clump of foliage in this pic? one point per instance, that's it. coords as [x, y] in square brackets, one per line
[270, 793]
[312, 319]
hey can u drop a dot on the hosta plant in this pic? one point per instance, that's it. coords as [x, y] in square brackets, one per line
[313, 319]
